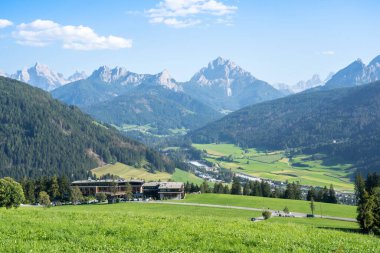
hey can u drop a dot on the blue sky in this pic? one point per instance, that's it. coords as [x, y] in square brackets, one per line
[277, 41]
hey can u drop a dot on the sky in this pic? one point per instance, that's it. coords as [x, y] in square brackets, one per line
[277, 41]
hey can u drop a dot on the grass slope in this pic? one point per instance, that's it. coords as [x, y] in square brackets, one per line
[272, 203]
[184, 176]
[127, 172]
[138, 227]
[307, 169]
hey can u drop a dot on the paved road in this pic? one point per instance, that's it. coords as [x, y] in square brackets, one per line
[297, 215]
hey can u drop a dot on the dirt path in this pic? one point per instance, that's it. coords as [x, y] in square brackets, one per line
[297, 215]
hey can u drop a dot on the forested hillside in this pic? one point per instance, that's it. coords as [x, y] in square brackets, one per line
[343, 122]
[41, 136]
[164, 110]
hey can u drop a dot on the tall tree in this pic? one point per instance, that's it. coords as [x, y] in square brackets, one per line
[54, 188]
[312, 206]
[236, 186]
[368, 200]
[332, 196]
[246, 189]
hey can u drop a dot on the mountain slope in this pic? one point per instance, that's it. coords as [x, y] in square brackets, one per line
[357, 73]
[225, 86]
[40, 136]
[341, 122]
[164, 110]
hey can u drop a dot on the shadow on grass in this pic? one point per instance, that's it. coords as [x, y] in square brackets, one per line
[347, 230]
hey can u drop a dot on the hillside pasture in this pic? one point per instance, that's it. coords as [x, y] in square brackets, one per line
[307, 169]
[128, 172]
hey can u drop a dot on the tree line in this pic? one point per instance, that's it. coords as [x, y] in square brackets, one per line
[263, 189]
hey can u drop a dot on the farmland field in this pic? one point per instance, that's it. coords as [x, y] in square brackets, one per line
[301, 206]
[127, 172]
[140, 227]
[315, 170]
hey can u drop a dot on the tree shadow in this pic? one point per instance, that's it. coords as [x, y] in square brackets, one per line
[346, 230]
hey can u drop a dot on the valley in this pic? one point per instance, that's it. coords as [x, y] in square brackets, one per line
[313, 170]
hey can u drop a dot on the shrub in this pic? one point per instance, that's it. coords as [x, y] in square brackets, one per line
[267, 214]
[43, 199]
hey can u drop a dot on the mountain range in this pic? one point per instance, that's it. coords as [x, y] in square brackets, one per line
[41, 136]
[157, 104]
[160, 103]
[43, 77]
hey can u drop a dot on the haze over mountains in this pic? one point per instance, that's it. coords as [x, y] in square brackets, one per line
[303, 85]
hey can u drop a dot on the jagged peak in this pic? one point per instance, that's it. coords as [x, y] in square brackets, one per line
[375, 61]
[220, 61]
[164, 75]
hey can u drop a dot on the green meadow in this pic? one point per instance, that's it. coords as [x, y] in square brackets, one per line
[314, 170]
[144, 227]
[301, 206]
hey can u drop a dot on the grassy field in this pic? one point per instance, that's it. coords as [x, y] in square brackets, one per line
[184, 176]
[139, 227]
[127, 172]
[272, 203]
[308, 170]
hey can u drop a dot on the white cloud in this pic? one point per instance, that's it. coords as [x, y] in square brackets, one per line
[185, 13]
[329, 52]
[5, 22]
[40, 33]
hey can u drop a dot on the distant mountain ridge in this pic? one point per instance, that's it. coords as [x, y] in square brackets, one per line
[106, 83]
[43, 77]
[314, 81]
[356, 73]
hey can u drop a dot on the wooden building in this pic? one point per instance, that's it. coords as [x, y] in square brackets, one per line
[164, 190]
[109, 186]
